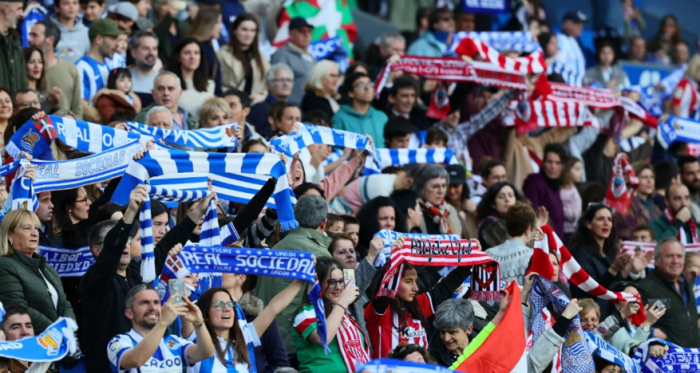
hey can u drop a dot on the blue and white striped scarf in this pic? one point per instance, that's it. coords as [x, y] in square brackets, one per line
[23, 196]
[571, 76]
[387, 365]
[148, 266]
[205, 138]
[677, 359]
[292, 143]
[68, 262]
[609, 353]
[235, 177]
[401, 157]
[652, 99]
[518, 41]
[676, 129]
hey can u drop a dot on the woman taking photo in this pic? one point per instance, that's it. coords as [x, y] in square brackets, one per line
[27, 279]
[206, 29]
[232, 346]
[321, 88]
[491, 212]
[642, 208]
[348, 345]
[243, 66]
[594, 245]
[190, 66]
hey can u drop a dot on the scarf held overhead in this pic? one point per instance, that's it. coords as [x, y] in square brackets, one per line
[388, 237]
[618, 195]
[204, 138]
[293, 143]
[519, 41]
[677, 359]
[399, 157]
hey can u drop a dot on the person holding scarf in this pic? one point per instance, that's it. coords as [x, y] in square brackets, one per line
[543, 189]
[347, 343]
[642, 207]
[233, 344]
[629, 336]
[594, 245]
[439, 217]
[676, 221]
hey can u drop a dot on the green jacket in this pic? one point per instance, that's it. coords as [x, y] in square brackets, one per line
[372, 123]
[13, 72]
[189, 119]
[23, 284]
[299, 239]
[664, 228]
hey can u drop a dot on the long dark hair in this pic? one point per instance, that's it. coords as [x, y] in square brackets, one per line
[324, 266]
[62, 201]
[235, 334]
[369, 221]
[583, 237]
[397, 305]
[488, 200]
[41, 82]
[237, 49]
[201, 75]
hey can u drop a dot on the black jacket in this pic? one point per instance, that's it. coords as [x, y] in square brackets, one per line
[311, 101]
[597, 267]
[103, 291]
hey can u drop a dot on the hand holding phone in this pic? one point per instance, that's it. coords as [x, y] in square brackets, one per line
[349, 275]
[177, 290]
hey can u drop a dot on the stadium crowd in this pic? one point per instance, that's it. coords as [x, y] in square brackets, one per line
[196, 65]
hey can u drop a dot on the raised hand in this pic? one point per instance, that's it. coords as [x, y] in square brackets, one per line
[572, 309]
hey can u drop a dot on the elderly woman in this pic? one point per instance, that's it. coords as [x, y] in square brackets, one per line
[26, 278]
[321, 89]
[214, 112]
[439, 217]
[160, 116]
[453, 321]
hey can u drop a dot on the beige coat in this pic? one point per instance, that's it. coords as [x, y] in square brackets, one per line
[233, 76]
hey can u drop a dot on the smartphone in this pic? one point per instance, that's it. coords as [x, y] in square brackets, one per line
[349, 275]
[177, 290]
[663, 302]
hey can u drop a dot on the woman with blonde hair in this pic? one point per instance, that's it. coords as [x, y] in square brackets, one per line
[321, 88]
[214, 112]
[26, 278]
[684, 99]
[206, 27]
[243, 65]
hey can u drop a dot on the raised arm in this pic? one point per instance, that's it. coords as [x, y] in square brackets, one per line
[275, 306]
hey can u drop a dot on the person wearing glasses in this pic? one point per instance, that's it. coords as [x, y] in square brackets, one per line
[280, 81]
[26, 278]
[360, 117]
[233, 338]
[349, 346]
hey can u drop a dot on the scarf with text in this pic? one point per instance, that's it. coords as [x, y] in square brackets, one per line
[682, 235]
[609, 353]
[388, 237]
[68, 262]
[235, 177]
[619, 195]
[532, 115]
[292, 143]
[502, 41]
[23, 195]
[55, 343]
[429, 250]
[453, 70]
[677, 359]
[541, 264]
[533, 63]
[676, 129]
[204, 138]
[399, 157]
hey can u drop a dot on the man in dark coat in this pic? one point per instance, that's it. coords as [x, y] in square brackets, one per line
[13, 72]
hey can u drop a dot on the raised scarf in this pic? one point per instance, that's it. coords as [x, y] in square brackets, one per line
[399, 157]
[618, 196]
[519, 41]
[204, 138]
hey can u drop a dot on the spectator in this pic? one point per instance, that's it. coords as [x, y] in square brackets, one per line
[492, 172]
[91, 67]
[666, 173]
[677, 216]
[188, 64]
[690, 176]
[634, 21]
[167, 91]
[398, 133]
[491, 211]
[92, 10]
[413, 353]
[70, 220]
[159, 117]
[550, 46]
[454, 320]
[407, 204]
[377, 214]
[320, 90]
[284, 116]
[144, 50]
[58, 72]
[295, 54]
[17, 324]
[543, 189]
[206, 29]
[608, 74]
[13, 73]
[352, 228]
[642, 233]
[684, 101]
[129, 352]
[570, 53]
[637, 50]
[388, 44]
[214, 112]
[681, 53]
[27, 279]
[23, 99]
[439, 217]
[311, 213]
[668, 34]
[679, 322]
[243, 65]
[514, 254]
[570, 197]
[360, 117]
[280, 81]
[594, 246]
[75, 41]
[434, 42]
[117, 96]
[630, 336]
[642, 209]
[589, 314]
[143, 7]
[45, 212]
[124, 14]
[36, 81]
[402, 103]
[239, 103]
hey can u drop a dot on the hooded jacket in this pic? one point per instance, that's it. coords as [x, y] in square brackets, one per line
[75, 42]
[372, 123]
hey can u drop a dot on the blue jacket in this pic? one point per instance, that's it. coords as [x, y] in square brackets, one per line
[427, 46]
[372, 123]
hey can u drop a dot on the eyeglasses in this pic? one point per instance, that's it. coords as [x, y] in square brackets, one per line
[84, 200]
[220, 305]
[283, 80]
[336, 283]
[364, 85]
[29, 103]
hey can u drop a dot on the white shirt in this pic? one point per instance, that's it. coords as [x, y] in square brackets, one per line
[571, 55]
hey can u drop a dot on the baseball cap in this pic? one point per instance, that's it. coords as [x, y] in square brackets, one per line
[104, 27]
[577, 16]
[125, 9]
[299, 22]
[458, 175]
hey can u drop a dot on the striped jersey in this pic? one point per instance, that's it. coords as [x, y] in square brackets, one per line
[571, 55]
[685, 95]
[170, 357]
[93, 75]
[384, 330]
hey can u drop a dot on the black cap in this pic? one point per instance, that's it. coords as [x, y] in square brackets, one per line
[577, 16]
[299, 22]
[458, 175]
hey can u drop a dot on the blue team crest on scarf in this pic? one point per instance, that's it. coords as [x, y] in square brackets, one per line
[57, 341]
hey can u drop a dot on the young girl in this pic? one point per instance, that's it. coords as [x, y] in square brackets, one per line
[117, 96]
[571, 199]
[120, 80]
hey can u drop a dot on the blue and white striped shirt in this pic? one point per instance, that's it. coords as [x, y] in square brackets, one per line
[93, 74]
[170, 357]
[571, 56]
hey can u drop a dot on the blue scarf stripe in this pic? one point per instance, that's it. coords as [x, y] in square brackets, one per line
[68, 262]
[400, 157]
[292, 143]
[207, 138]
[57, 341]
[399, 366]
[520, 41]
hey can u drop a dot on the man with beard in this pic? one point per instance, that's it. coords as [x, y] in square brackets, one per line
[676, 216]
[13, 72]
[144, 49]
[690, 176]
[145, 345]
[542, 189]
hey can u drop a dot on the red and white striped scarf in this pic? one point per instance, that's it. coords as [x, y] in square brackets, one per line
[618, 196]
[533, 63]
[349, 338]
[569, 266]
[453, 70]
[534, 114]
[682, 236]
